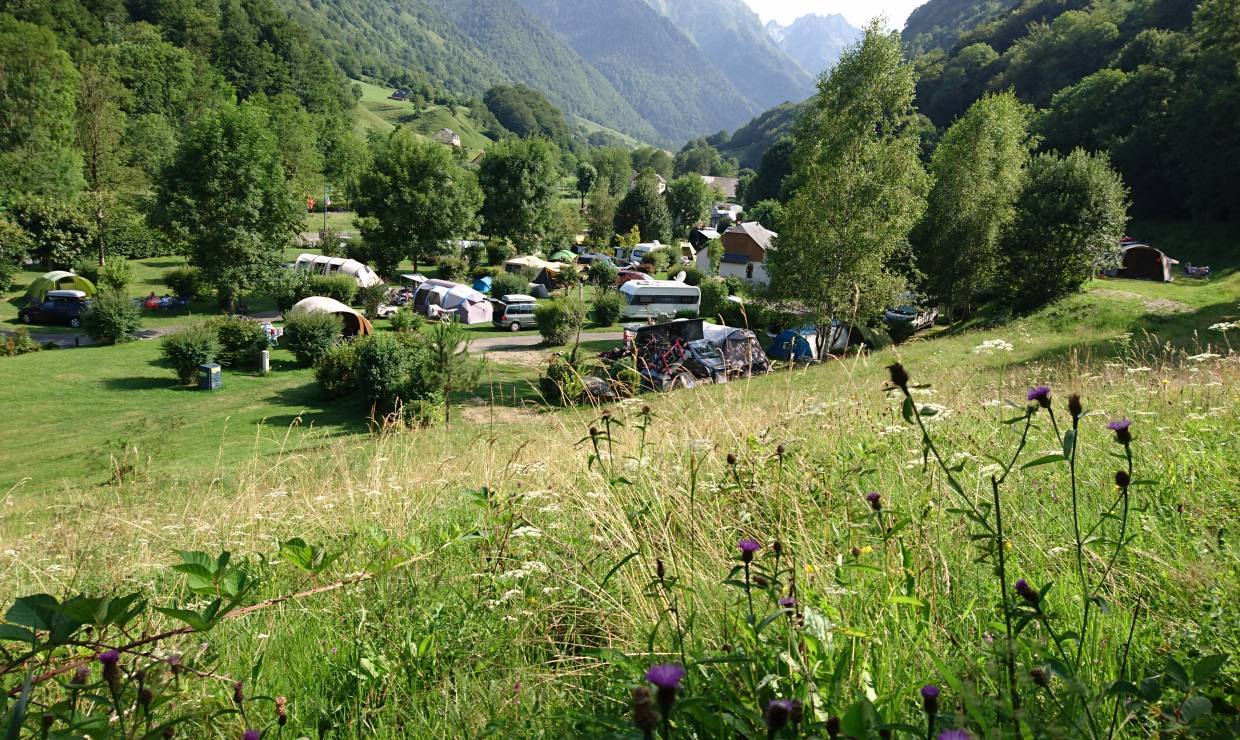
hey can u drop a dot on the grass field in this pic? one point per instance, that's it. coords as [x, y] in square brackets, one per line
[533, 609]
[376, 111]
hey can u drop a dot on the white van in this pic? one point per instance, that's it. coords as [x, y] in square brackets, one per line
[658, 298]
[634, 256]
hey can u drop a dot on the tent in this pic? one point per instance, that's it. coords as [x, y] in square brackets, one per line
[563, 255]
[56, 280]
[483, 284]
[742, 355]
[323, 265]
[355, 324]
[1143, 262]
[795, 345]
[469, 306]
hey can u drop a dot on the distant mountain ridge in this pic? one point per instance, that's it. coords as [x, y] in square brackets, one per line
[815, 42]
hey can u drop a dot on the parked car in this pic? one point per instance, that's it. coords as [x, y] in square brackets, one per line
[59, 307]
[514, 312]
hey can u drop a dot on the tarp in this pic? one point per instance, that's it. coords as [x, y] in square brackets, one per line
[1143, 262]
[57, 280]
[483, 284]
[355, 324]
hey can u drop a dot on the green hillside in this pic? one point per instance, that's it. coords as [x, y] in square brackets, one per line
[376, 110]
[939, 23]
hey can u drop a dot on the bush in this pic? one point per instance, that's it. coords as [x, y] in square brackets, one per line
[286, 286]
[559, 319]
[241, 340]
[561, 385]
[309, 335]
[112, 318]
[336, 373]
[370, 297]
[116, 275]
[185, 349]
[694, 276]
[452, 268]
[714, 294]
[383, 365]
[186, 282]
[507, 283]
[736, 286]
[602, 273]
[87, 267]
[406, 320]
[659, 260]
[607, 308]
[500, 251]
[18, 343]
[341, 287]
[569, 277]
[482, 271]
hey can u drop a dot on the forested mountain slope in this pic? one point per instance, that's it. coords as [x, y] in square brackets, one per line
[939, 23]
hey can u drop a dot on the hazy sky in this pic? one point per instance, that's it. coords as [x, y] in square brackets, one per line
[856, 11]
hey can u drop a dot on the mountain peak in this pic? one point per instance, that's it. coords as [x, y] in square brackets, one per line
[815, 41]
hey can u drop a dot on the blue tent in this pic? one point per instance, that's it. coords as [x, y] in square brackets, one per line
[483, 285]
[795, 345]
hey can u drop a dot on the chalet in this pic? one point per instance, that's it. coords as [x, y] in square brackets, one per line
[730, 211]
[699, 238]
[744, 253]
[447, 136]
[726, 185]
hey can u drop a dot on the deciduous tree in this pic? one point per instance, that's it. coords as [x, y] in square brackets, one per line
[520, 186]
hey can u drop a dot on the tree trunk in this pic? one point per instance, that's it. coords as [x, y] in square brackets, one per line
[99, 234]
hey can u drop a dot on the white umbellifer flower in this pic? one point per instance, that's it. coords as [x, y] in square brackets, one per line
[1225, 326]
[527, 531]
[993, 345]
[1203, 357]
[891, 430]
[1132, 370]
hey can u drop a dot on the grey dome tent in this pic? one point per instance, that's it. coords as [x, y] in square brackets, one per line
[1143, 262]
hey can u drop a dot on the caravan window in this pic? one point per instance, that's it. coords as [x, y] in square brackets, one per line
[645, 299]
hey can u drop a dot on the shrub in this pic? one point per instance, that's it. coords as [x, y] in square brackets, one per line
[686, 313]
[607, 308]
[186, 282]
[569, 277]
[482, 271]
[736, 286]
[185, 349]
[112, 318]
[714, 293]
[287, 286]
[452, 268]
[330, 243]
[116, 275]
[341, 287]
[87, 267]
[406, 320]
[659, 260]
[18, 343]
[499, 251]
[384, 365]
[603, 273]
[309, 335]
[507, 283]
[561, 385]
[336, 373]
[241, 340]
[370, 297]
[559, 319]
[694, 276]
[474, 253]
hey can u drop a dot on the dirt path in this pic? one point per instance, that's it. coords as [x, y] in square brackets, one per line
[532, 340]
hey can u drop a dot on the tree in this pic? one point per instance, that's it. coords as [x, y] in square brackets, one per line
[1070, 218]
[450, 367]
[225, 198]
[689, 200]
[100, 123]
[858, 188]
[601, 215]
[768, 183]
[615, 168]
[520, 186]
[769, 213]
[14, 248]
[653, 158]
[978, 175]
[645, 209]
[414, 198]
[57, 232]
[347, 161]
[587, 177]
[701, 158]
[38, 92]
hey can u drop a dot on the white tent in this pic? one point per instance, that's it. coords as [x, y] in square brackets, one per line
[469, 306]
[355, 324]
[321, 264]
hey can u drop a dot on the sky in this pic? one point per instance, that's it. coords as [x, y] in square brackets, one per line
[857, 12]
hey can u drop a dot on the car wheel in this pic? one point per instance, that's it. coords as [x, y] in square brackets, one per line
[514, 326]
[75, 322]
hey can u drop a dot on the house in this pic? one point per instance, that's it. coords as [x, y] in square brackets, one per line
[399, 95]
[447, 136]
[699, 238]
[744, 252]
[660, 183]
[730, 211]
[726, 185]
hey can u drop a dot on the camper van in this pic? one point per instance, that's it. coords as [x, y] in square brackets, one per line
[634, 256]
[658, 298]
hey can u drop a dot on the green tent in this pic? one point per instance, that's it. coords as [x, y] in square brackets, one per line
[563, 255]
[57, 280]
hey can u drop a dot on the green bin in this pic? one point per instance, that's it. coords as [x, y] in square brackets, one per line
[209, 378]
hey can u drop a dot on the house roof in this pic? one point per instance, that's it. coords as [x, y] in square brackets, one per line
[761, 235]
[708, 233]
[725, 184]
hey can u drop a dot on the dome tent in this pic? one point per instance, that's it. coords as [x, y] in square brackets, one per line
[57, 280]
[355, 324]
[1143, 262]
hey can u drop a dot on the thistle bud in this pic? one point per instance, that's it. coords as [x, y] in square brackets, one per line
[833, 727]
[1074, 406]
[1026, 592]
[731, 459]
[81, 676]
[238, 693]
[780, 450]
[930, 699]
[645, 716]
[659, 571]
[110, 660]
[1122, 479]
[646, 410]
[145, 697]
[777, 713]
[856, 551]
[281, 711]
[760, 580]
[899, 376]
[777, 547]
[1038, 676]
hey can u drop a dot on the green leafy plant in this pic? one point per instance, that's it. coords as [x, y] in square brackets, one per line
[117, 274]
[607, 308]
[241, 340]
[559, 319]
[309, 335]
[336, 372]
[406, 320]
[187, 282]
[113, 318]
[185, 349]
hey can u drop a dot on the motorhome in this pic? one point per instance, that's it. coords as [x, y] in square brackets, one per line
[658, 299]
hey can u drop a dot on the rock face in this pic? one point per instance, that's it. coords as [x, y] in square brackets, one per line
[815, 42]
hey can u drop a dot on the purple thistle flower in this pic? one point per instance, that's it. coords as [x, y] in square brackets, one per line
[876, 500]
[930, 699]
[955, 735]
[788, 602]
[251, 735]
[1041, 394]
[1026, 592]
[777, 713]
[109, 657]
[666, 679]
[111, 666]
[748, 547]
[1122, 433]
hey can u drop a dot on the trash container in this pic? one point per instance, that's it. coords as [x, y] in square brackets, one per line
[209, 378]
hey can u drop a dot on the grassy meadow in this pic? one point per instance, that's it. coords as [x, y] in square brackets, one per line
[513, 561]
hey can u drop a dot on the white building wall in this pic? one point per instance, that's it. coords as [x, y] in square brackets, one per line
[730, 269]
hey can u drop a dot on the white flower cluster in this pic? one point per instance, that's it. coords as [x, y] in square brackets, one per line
[1225, 326]
[993, 345]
